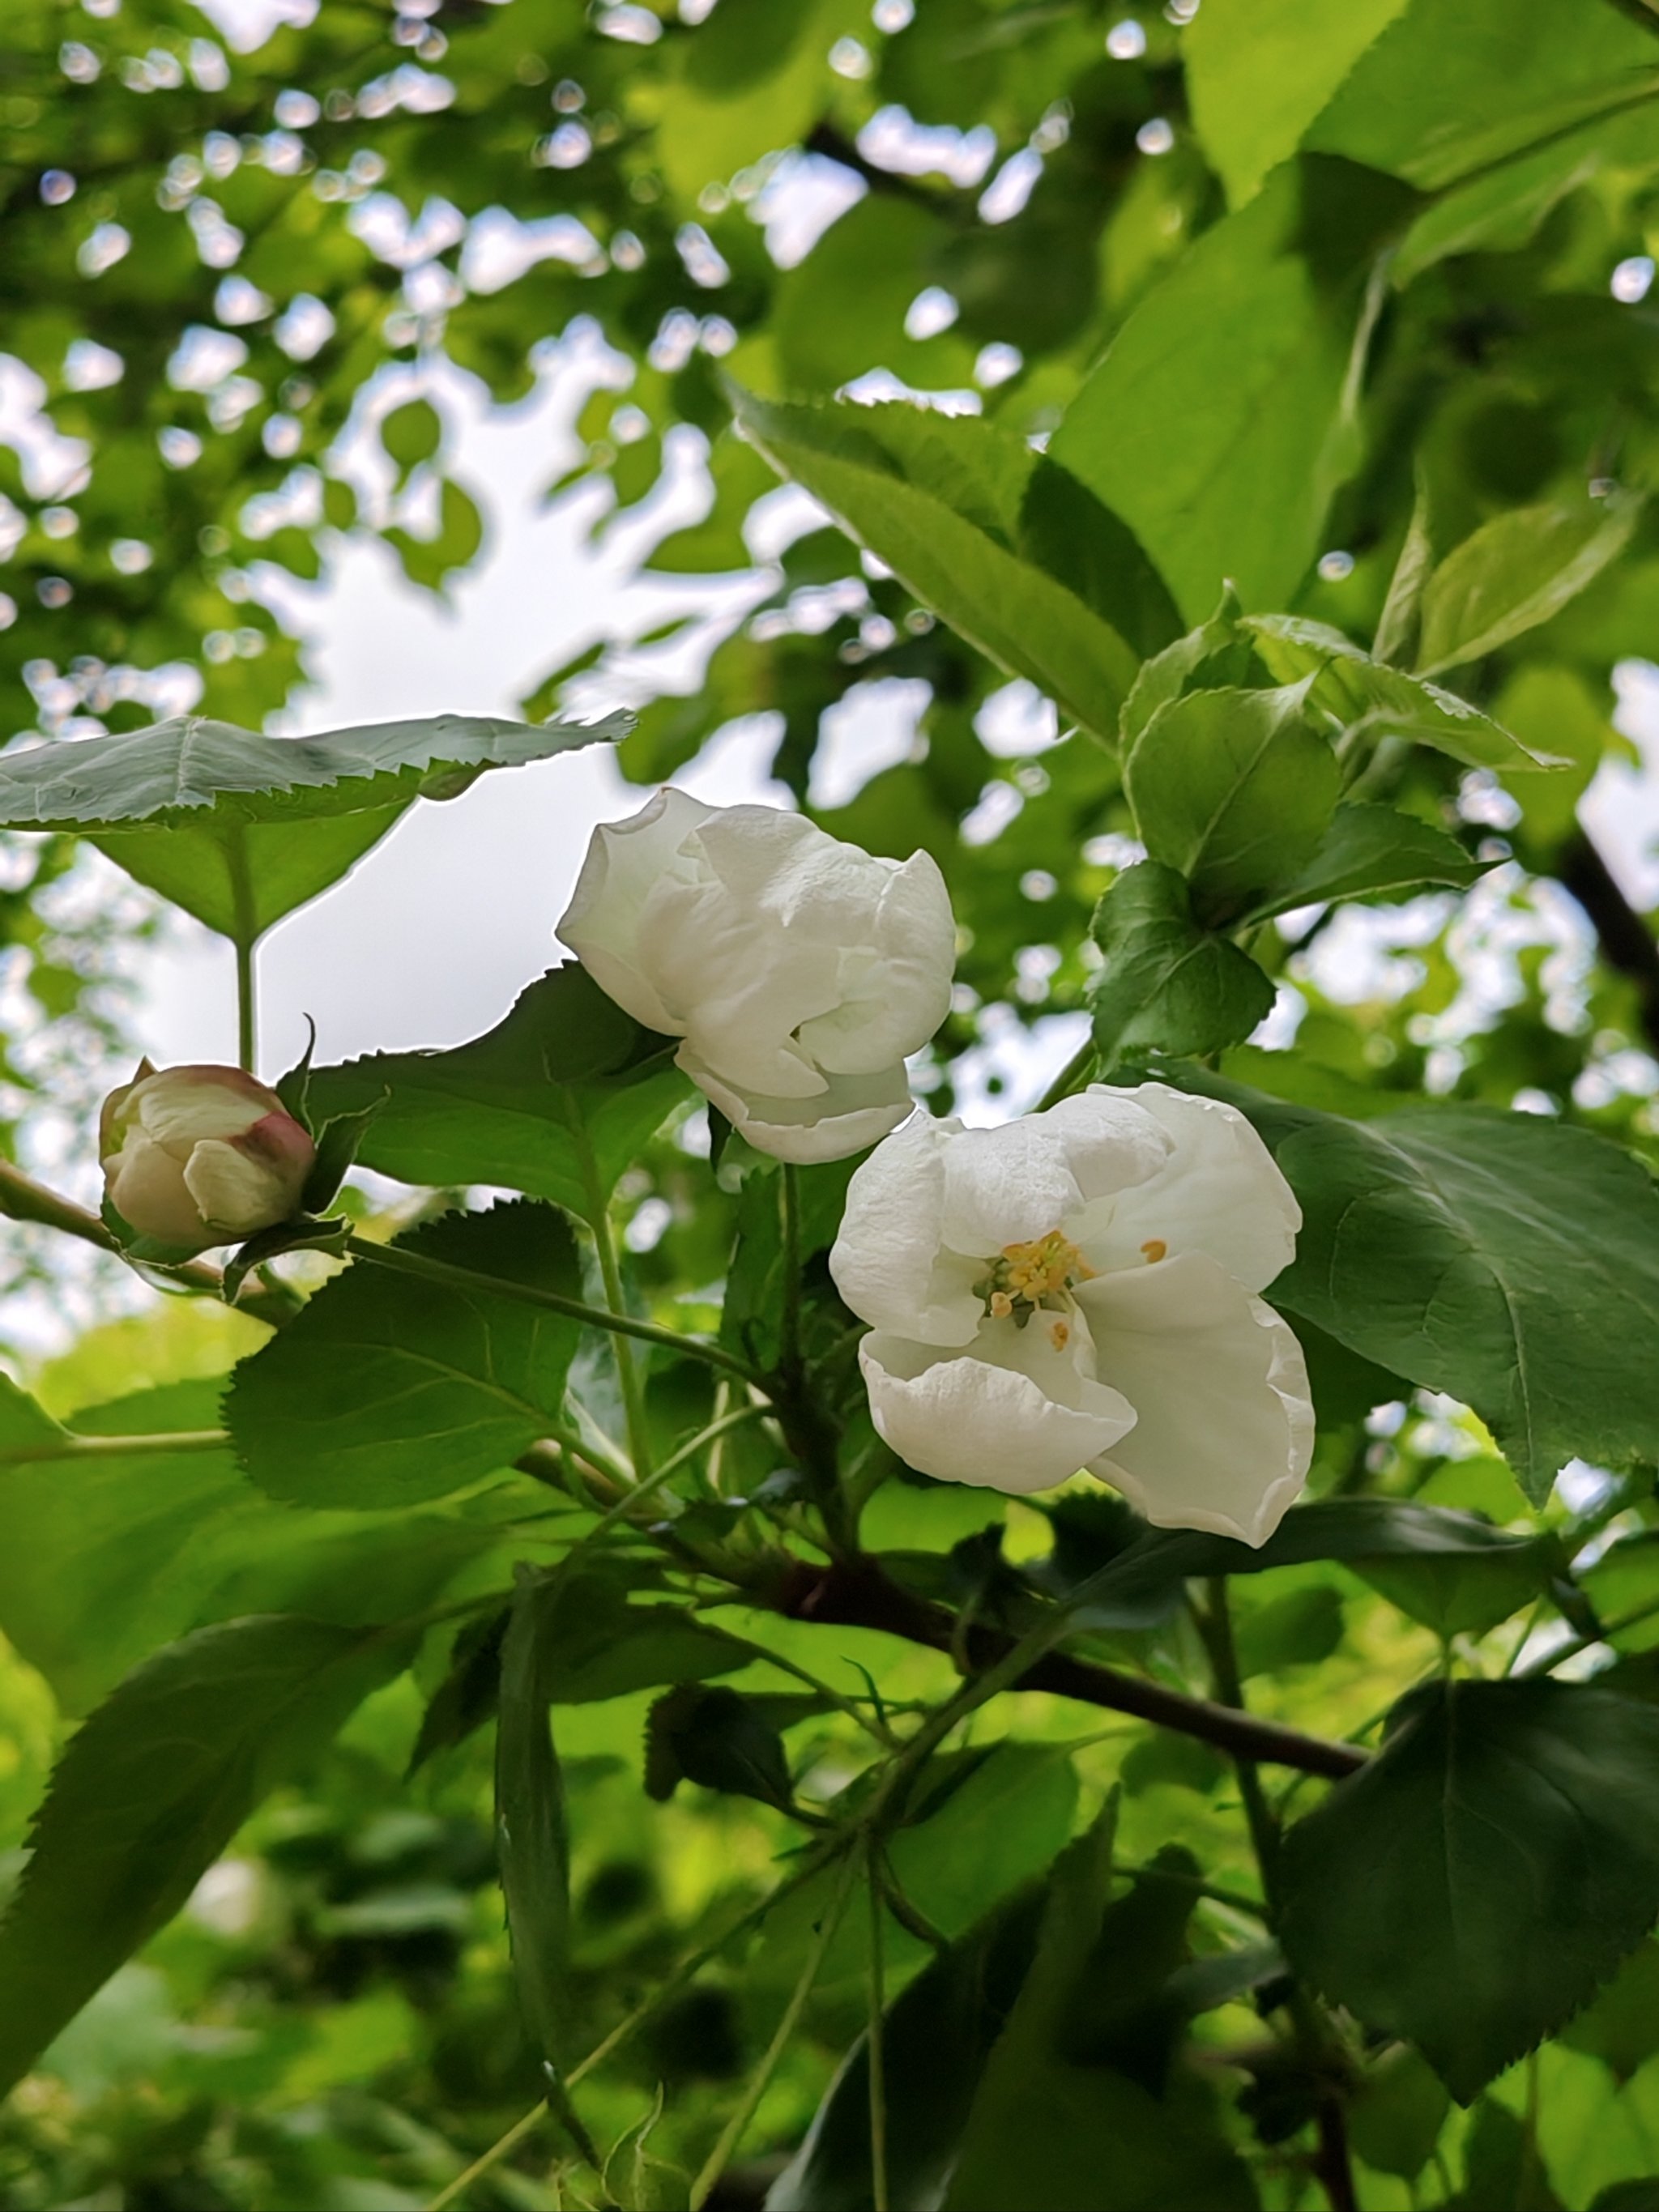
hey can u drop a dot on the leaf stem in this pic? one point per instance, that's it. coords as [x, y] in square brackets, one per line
[1073, 1076]
[791, 1329]
[70, 1446]
[620, 1324]
[247, 937]
[733, 2133]
[246, 1029]
[605, 1243]
[877, 2069]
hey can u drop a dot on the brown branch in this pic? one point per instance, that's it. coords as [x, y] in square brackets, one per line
[859, 1595]
[1627, 941]
[25, 1200]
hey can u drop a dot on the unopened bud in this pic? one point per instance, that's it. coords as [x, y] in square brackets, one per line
[195, 1157]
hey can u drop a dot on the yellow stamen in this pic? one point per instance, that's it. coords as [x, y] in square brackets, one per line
[1060, 1335]
[1001, 1304]
[1025, 1277]
[1154, 1248]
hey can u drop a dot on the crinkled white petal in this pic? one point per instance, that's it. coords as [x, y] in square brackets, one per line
[145, 1185]
[889, 1263]
[626, 862]
[1224, 1425]
[1219, 1191]
[848, 1113]
[964, 1419]
[235, 1190]
[895, 989]
[1008, 1185]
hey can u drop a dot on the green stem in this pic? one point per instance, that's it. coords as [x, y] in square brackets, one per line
[1616, 1626]
[1217, 1629]
[498, 2150]
[627, 1373]
[878, 2069]
[619, 1324]
[733, 2133]
[246, 1027]
[1077, 1072]
[76, 1447]
[791, 1331]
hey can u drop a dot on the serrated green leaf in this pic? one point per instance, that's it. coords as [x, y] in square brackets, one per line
[1499, 1257]
[1357, 689]
[1492, 1808]
[1234, 789]
[386, 1389]
[720, 1738]
[1167, 984]
[1375, 853]
[240, 829]
[151, 1790]
[555, 1101]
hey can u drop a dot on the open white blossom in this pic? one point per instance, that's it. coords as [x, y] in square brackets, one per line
[1077, 1290]
[799, 971]
[201, 1156]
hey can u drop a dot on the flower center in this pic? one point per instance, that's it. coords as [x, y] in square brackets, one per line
[1025, 1278]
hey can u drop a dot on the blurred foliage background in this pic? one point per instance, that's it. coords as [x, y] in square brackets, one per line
[238, 246]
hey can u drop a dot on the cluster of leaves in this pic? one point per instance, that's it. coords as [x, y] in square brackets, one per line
[598, 1545]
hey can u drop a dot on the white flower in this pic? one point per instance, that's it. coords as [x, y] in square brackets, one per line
[200, 1156]
[1077, 1291]
[798, 971]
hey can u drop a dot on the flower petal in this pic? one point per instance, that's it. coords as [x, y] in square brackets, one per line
[888, 1262]
[848, 1113]
[894, 987]
[146, 1186]
[963, 1420]
[626, 862]
[1224, 1425]
[1218, 1192]
[236, 1191]
[177, 1106]
[1007, 1185]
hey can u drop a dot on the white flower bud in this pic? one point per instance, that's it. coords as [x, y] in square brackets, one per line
[1078, 1290]
[201, 1156]
[798, 971]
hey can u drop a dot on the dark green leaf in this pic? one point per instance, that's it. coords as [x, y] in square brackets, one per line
[943, 501]
[468, 1694]
[1492, 1808]
[240, 829]
[555, 1101]
[533, 1846]
[1295, 1629]
[720, 1738]
[152, 1789]
[598, 1646]
[1375, 853]
[1395, 2118]
[1168, 985]
[1621, 2027]
[1503, 2168]
[1235, 789]
[386, 1389]
[1510, 1262]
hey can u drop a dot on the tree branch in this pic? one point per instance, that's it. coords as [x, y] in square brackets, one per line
[25, 1200]
[1627, 941]
[859, 1595]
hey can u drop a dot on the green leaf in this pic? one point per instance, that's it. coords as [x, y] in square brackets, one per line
[1516, 572]
[1446, 92]
[1258, 71]
[1395, 2118]
[1077, 2111]
[1217, 424]
[411, 434]
[600, 1646]
[1216, 656]
[105, 1557]
[1168, 985]
[386, 1389]
[1493, 1808]
[151, 1790]
[555, 1101]
[1499, 1257]
[1621, 2027]
[1502, 2164]
[1235, 789]
[240, 829]
[636, 2177]
[533, 1846]
[1295, 1629]
[720, 1738]
[1360, 691]
[980, 1823]
[964, 516]
[936, 2037]
[1373, 853]
[468, 1695]
[431, 561]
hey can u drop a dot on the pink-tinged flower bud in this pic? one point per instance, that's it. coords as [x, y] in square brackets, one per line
[201, 1156]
